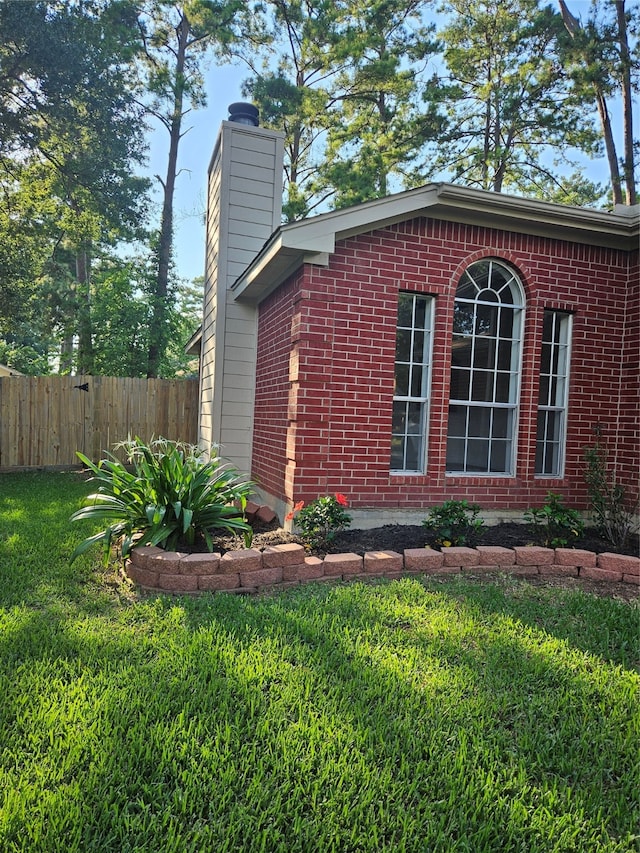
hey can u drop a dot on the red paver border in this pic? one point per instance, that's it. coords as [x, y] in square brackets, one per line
[250, 570]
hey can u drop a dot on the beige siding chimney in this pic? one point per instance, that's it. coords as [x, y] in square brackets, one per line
[244, 207]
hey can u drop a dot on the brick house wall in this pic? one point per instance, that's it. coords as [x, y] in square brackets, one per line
[629, 421]
[325, 365]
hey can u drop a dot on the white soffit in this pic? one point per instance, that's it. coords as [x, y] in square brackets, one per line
[313, 240]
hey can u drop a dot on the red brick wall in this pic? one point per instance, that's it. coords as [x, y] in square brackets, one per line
[629, 423]
[274, 394]
[337, 324]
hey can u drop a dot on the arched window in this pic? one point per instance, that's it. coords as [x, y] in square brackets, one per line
[485, 370]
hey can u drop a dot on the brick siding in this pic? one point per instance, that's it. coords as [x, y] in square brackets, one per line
[325, 367]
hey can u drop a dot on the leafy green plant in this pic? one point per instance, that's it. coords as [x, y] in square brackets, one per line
[454, 523]
[321, 519]
[613, 512]
[170, 496]
[555, 525]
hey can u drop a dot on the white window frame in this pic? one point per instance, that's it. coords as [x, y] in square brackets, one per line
[421, 400]
[553, 396]
[490, 408]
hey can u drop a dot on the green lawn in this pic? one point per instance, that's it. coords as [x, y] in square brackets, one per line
[418, 715]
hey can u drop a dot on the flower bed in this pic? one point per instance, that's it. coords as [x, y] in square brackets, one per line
[250, 570]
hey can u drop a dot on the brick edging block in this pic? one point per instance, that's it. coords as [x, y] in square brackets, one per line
[381, 562]
[575, 557]
[279, 565]
[619, 563]
[288, 554]
[422, 560]
[496, 555]
[601, 574]
[457, 557]
[534, 555]
[336, 565]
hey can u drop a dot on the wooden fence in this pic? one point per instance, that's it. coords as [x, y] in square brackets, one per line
[45, 419]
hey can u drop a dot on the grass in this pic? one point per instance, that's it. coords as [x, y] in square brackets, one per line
[417, 715]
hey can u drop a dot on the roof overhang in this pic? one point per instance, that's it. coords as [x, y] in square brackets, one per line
[9, 371]
[194, 344]
[313, 240]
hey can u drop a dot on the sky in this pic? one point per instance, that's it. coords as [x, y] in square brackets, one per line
[223, 86]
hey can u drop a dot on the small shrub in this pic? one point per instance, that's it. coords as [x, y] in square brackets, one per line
[555, 525]
[614, 514]
[454, 523]
[321, 519]
[170, 496]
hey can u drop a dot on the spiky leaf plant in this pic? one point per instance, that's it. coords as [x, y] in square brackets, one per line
[166, 494]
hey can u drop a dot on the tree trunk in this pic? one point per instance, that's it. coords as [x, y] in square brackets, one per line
[610, 146]
[66, 355]
[627, 110]
[85, 331]
[486, 148]
[573, 26]
[382, 174]
[158, 332]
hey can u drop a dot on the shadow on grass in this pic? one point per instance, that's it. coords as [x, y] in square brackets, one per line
[436, 715]
[347, 718]
[599, 625]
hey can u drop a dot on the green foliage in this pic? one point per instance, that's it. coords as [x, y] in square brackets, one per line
[379, 125]
[170, 496]
[321, 519]
[297, 95]
[454, 523]
[507, 96]
[176, 40]
[601, 58]
[574, 189]
[23, 353]
[121, 308]
[350, 93]
[614, 512]
[72, 137]
[555, 525]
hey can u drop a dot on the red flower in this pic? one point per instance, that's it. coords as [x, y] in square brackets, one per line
[341, 499]
[289, 516]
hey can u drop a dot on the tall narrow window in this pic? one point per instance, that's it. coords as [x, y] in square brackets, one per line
[552, 400]
[414, 333]
[485, 370]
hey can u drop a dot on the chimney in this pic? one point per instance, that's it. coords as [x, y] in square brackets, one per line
[244, 207]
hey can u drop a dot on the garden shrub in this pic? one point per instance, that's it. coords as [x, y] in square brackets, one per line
[320, 520]
[554, 525]
[166, 495]
[613, 512]
[454, 523]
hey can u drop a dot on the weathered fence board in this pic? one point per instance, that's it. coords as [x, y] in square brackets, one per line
[45, 419]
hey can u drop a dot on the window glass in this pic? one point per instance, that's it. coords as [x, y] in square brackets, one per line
[553, 393]
[485, 370]
[414, 334]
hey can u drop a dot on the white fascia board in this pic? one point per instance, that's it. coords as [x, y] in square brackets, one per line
[615, 229]
[368, 216]
[280, 257]
[313, 240]
[193, 345]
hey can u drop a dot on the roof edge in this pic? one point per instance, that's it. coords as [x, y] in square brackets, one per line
[293, 244]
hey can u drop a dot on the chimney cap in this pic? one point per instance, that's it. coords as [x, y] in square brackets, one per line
[244, 113]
